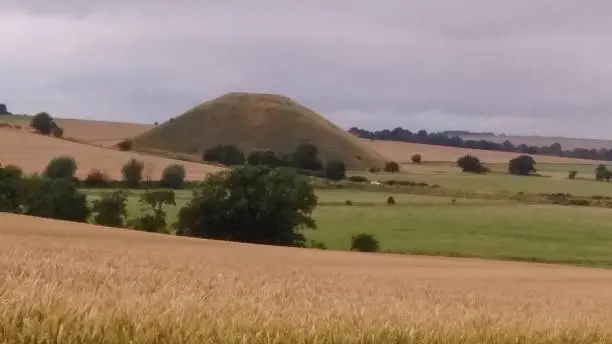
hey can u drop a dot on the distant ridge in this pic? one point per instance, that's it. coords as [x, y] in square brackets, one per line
[253, 121]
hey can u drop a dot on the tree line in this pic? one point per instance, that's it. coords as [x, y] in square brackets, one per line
[444, 139]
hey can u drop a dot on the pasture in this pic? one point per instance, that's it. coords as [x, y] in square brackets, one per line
[74, 283]
[432, 225]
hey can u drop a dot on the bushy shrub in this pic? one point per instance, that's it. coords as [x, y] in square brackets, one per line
[417, 159]
[348, 202]
[392, 167]
[63, 167]
[364, 243]
[132, 173]
[602, 173]
[335, 170]
[125, 145]
[43, 123]
[56, 199]
[58, 132]
[522, 165]
[305, 157]
[154, 214]
[391, 200]
[374, 170]
[317, 244]
[111, 209]
[472, 164]
[96, 179]
[173, 177]
[227, 155]
[267, 158]
[358, 179]
[572, 174]
[10, 189]
[254, 204]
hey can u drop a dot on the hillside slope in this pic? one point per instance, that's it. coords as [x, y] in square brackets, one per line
[32, 152]
[257, 121]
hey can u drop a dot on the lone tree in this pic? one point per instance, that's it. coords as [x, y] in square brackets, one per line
[522, 165]
[253, 204]
[417, 159]
[305, 157]
[227, 155]
[335, 170]
[43, 123]
[364, 243]
[472, 164]
[173, 176]
[63, 167]
[392, 167]
[4, 109]
[132, 173]
[602, 173]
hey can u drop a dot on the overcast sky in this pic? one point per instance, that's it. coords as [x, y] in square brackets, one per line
[521, 66]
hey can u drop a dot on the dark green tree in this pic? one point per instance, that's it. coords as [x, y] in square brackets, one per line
[252, 204]
[56, 199]
[10, 189]
[173, 177]
[472, 164]
[305, 157]
[4, 109]
[111, 209]
[364, 243]
[266, 157]
[602, 173]
[392, 167]
[154, 214]
[61, 167]
[335, 170]
[132, 173]
[522, 165]
[43, 123]
[227, 155]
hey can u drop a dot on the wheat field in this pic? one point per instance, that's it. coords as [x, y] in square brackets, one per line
[32, 152]
[74, 283]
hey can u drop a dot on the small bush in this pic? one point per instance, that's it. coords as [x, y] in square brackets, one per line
[364, 243]
[358, 179]
[132, 173]
[572, 174]
[317, 244]
[111, 209]
[472, 164]
[374, 170]
[154, 218]
[58, 132]
[43, 123]
[391, 200]
[96, 179]
[63, 167]
[335, 170]
[579, 202]
[348, 202]
[392, 167]
[522, 165]
[227, 155]
[417, 159]
[173, 177]
[125, 145]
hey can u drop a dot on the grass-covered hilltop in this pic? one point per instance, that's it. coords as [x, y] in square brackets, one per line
[252, 219]
[257, 122]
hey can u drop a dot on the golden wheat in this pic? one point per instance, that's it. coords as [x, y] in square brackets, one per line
[72, 283]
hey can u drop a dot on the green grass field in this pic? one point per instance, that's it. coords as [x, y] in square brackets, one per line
[434, 226]
[553, 179]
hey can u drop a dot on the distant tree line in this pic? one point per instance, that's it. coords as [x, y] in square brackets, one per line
[444, 139]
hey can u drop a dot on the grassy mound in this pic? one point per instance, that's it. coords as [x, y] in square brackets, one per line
[253, 122]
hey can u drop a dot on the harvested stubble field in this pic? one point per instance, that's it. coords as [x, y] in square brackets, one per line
[74, 283]
[401, 152]
[32, 152]
[102, 133]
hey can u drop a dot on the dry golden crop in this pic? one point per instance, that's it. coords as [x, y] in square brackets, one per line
[73, 283]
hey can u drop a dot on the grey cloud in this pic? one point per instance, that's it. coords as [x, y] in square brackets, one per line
[518, 67]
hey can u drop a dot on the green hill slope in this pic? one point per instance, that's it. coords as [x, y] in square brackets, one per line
[257, 121]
